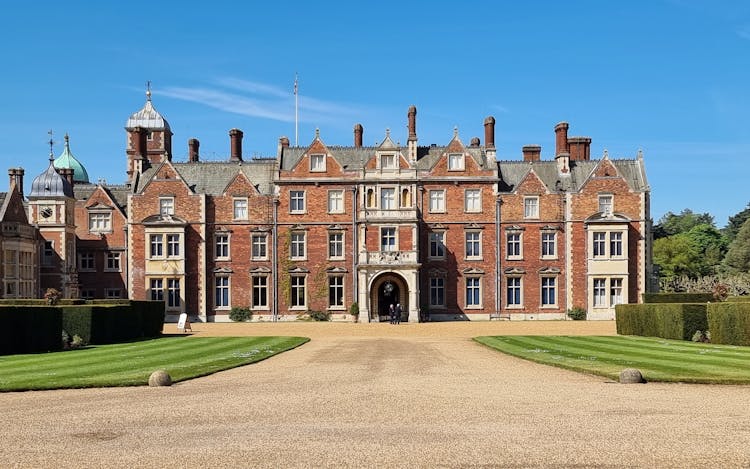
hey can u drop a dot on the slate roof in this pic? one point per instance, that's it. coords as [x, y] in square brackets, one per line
[148, 118]
[50, 184]
[118, 193]
[3, 195]
[212, 177]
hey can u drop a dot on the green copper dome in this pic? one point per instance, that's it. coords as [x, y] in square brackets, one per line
[67, 160]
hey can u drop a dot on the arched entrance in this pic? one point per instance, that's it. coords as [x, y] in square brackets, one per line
[388, 289]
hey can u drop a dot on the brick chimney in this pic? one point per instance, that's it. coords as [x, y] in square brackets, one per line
[561, 138]
[358, 129]
[67, 173]
[139, 141]
[235, 137]
[474, 142]
[16, 176]
[489, 132]
[532, 152]
[412, 115]
[580, 148]
[193, 150]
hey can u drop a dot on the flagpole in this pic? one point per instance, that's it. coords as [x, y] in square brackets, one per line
[296, 111]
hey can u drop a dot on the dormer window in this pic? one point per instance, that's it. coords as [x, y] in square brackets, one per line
[100, 222]
[317, 163]
[606, 204]
[166, 206]
[388, 161]
[456, 162]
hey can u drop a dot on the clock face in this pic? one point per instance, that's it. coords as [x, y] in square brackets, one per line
[46, 212]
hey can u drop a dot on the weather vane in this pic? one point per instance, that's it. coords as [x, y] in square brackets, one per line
[51, 143]
[148, 90]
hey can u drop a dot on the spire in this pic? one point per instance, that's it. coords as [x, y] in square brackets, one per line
[51, 144]
[67, 160]
[148, 90]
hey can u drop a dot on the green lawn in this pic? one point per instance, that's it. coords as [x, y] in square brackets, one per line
[130, 364]
[658, 359]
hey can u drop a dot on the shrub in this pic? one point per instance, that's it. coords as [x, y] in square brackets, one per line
[320, 315]
[721, 292]
[739, 299]
[701, 336]
[667, 320]
[677, 297]
[238, 314]
[77, 342]
[354, 309]
[729, 323]
[576, 314]
[52, 295]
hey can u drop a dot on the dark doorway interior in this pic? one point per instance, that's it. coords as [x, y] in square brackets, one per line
[388, 294]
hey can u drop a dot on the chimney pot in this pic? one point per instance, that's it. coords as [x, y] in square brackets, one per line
[235, 138]
[16, 176]
[284, 142]
[412, 115]
[475, 142]
[193, 150]
[561, 138]
[532, 152]
[489, 132]
[358, 129]
[580, 148]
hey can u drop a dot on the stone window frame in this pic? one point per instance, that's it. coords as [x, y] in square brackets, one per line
[478, 199]
[456, 162]
[341, 303]
[342, 243]
[555, 290]
[113, 261]
[297, 201]
[434, 242]
[87, 261]
[322, 159]
[440, 288]
[295, 287]
[528, 205]
[226, 291]
[437, 204]
[519, 287]
[166, 205]
[240, 208]
[340, 201]
[479, 243]
[392, 247]
[294, 252]
[104, 216]
[479, 287]
[226, 246]
[257, 288]
[253, 244]
[606, 203]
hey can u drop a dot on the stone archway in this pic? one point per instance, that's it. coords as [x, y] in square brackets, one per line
[386, 289]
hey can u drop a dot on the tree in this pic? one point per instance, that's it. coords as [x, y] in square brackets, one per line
[736, 222]
[711, 243]
[738, 256]
[677, 255]
[671, 224]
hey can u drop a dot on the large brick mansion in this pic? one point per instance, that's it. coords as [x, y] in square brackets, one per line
[447, 231]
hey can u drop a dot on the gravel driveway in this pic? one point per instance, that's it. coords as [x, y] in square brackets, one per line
[377, 395]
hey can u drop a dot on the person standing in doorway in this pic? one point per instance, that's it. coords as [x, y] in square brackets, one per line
[398, 313]
[392, 313]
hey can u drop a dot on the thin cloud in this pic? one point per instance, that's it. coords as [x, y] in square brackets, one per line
[501, 109]
[230, 102]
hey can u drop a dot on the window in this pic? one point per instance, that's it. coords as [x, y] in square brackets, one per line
[437, 244]
[11, 263]
[531, 207]
[240, 209]
[600, 244]
[600, 293]
[317, 163]
[335, 201]
[615, 291]
[297, 201]
[387, 198]
[473, 245]
[113, 261]
[513, 291]
[48, 253]
[437, 201]
[173, 245]
[336, 291]
[112, 293]
[222, 246]
[260, 291]
[473, 292]
[615, 244]
[297, 290]
[157, 248]
[513, 245]
[259, 246]
[88, 294]
[437, 291]
[166, 206]
[297, 246]
[473, 200]
[606, 204]
[549, 295]
[173, 293]
[335, 245]
[388, 161]
[221, 292]
[86, 261]
[157, 289]
[100, 222]
[548, 245]
[456, 162]
[388, 239]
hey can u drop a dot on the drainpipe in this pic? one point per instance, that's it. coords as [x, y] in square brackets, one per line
[355, 279]
[274, 260]
[498, 204]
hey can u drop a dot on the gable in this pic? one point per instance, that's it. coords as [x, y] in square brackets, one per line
[606, 169]
[12, 209]
[240, 184]
[531, 184]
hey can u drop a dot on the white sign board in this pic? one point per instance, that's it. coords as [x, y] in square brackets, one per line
[181, 322]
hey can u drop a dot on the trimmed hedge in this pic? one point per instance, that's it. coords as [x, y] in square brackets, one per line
[678, 297]
[667, 320]
[30, 329]
[41, 302]
[739, 299]
[729, 323]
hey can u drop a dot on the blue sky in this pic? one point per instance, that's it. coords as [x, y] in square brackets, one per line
[669, 77]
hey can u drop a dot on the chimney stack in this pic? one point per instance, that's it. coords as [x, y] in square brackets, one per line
[489, 132]
[358, 129]
[16, 176]
[193, 150]
[580, 148]
[475, 142]
[139, 141]
[284, 142]
[235, 136]
[532, 152]
[561, 138]
[66, 173]
[412, 114]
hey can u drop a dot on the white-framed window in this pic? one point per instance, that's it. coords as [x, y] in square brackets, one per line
[260, 291]
[549, 244]
[335, 245]
[606, 204]
[437, 291]
[48, 253]
[549, 291]
[456, 162]
[259, 250]
[600, 243]
[473, 292]
[222, 246]
[156, 287]
[297, 291]
[297, 201]
[100, 222]
[298, 245]
[437, 201]
[473, 245]
[336, 201]
[473, 200]
[174, 293]
[239, 207]
[513, 292]
[600, 292]
[615, 291]
[113, 261]
[531, 207]
[221, 292]
[317, 163]
[166, 206]
[513, 245]
[173, 245]
[388, 239]
[156, 245]
[387, 198]
[437, 244]
[615, 244]
[112, 293]
[86, 261]
[336, 291]
[388, 161]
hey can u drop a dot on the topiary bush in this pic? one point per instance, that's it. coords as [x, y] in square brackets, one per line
[320, 315]
[678, 297]
[239, 314]
[677, 321]
[576, 314]
[729, 323]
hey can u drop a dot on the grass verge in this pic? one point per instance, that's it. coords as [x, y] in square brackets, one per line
[131, 364]
[657, 359]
